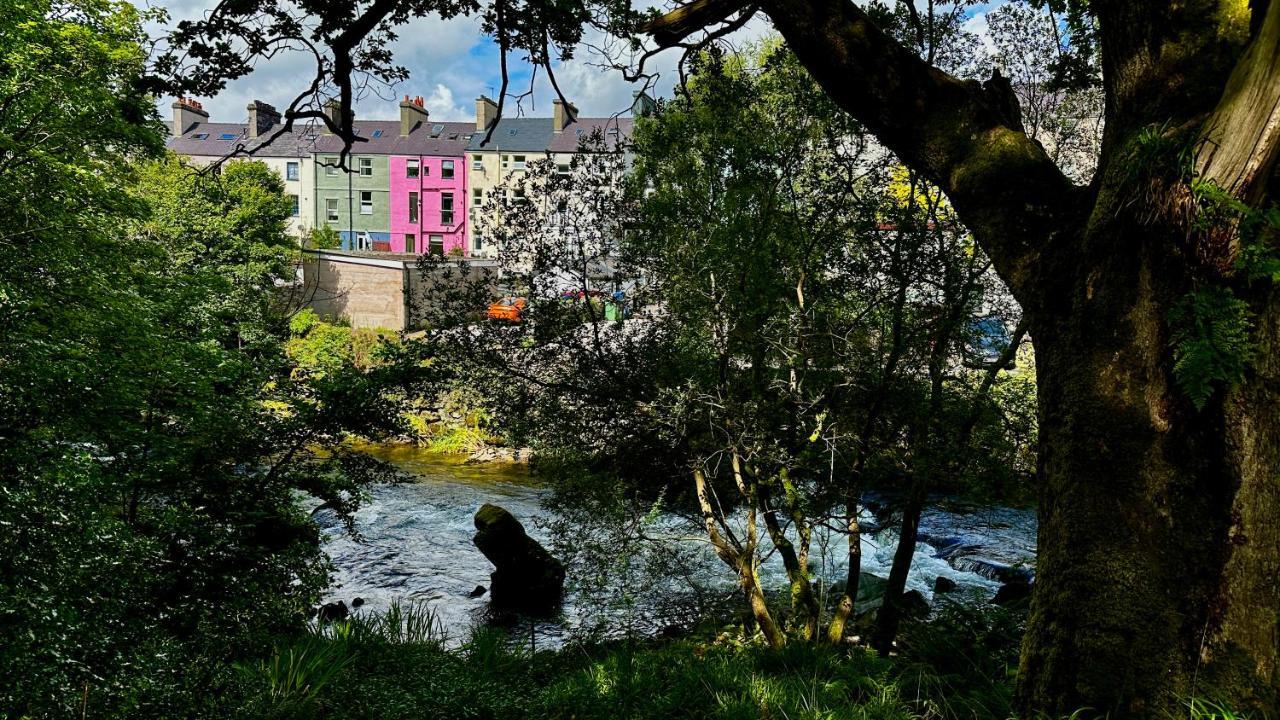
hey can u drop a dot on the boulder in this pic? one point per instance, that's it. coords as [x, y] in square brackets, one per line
[356, 603]
[914, 605]
[944, 585]
[526, 577]
[1013, 593]
[333, 611]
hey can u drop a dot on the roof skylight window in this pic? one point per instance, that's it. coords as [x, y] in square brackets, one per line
[436, 130]
[377, 133]
[200, 136]
[227, 136]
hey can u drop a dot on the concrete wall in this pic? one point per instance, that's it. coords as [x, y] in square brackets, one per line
[374, 290]
[365, 291]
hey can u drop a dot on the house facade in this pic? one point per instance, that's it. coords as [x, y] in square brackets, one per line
[411, 185]
[428, 184]
[516, 142]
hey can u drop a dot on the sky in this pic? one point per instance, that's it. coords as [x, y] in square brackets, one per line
[450, 63]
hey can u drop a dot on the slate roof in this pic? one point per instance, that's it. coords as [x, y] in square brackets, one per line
[219, 139]
[430, 138]
[612, 130]
[537, 135]
[383, 138]
[449, 139]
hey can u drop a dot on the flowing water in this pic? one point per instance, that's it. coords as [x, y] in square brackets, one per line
[413, 544]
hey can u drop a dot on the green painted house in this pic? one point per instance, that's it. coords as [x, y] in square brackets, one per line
[356, 203]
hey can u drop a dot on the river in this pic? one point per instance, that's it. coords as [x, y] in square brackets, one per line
[413, 544]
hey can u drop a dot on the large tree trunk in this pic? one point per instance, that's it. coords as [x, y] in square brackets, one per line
[1159, 545]
[1159, 523]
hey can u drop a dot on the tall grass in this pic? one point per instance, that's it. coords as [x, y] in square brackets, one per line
[396, 664]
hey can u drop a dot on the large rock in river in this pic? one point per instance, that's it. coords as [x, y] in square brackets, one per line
[526, 577]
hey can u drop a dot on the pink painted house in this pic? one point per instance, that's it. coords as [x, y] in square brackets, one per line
[428, 182]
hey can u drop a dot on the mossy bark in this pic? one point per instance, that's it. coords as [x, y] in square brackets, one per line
[1158, 548]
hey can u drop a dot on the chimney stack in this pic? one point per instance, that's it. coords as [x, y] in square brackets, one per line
[562, 114]
[486, 112]
[186, 113]
[333, 109]
[412, 113]
[642, 105]
[262, 117]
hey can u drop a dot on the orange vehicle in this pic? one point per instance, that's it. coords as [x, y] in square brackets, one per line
[508, 309]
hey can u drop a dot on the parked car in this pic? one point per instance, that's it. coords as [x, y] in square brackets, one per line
[508, 309]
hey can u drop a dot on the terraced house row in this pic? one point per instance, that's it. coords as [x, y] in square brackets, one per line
[414, 185]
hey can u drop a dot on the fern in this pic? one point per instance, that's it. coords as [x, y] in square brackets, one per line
[1211, 342]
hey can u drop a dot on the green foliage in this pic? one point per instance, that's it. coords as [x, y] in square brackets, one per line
[320, 349]
[1258, 257]
[324, 237]
[296, 674]
[456, 423]
[369, 667]
[1211, 340]
[156, 440]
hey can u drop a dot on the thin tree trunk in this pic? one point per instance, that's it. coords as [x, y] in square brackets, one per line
[844, 607]
[804, 604]
[741, 558]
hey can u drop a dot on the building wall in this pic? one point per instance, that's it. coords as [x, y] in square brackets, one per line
[346, 188]
[430, 185]
[484, 176]
[300, 188]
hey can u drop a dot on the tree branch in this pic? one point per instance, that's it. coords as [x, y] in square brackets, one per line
[964, 136]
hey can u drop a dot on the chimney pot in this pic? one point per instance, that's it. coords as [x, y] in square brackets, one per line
[411, 114]
[186, 114]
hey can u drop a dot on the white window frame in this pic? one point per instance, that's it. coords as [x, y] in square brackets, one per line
[331, 210]
[477, 197]
[446, 168]
[432, 239]
[292, 170]
[412, 168]
[365, 165]
[366, 206]
[518, 162]
[297, 205]
[477, 162]
[331, 166]
[506, 162]
[415, 206]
